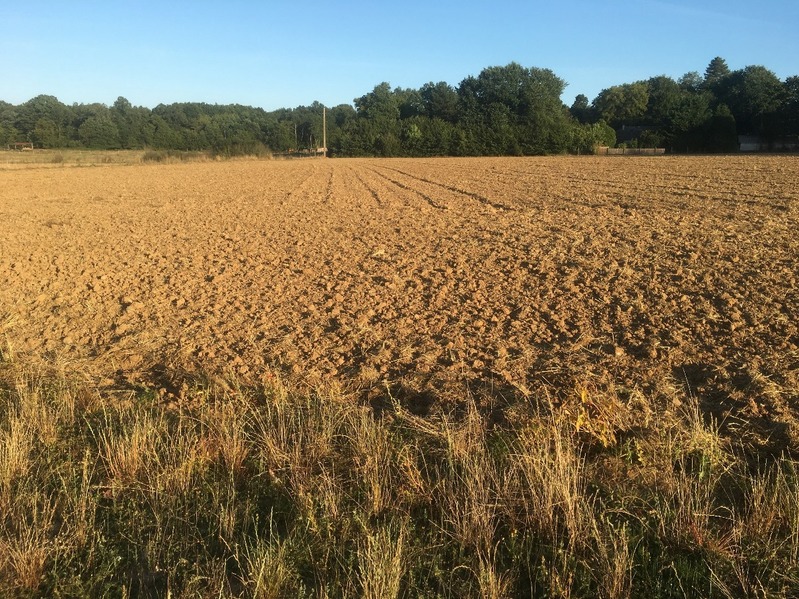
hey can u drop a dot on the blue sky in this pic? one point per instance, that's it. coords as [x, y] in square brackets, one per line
[285, 54]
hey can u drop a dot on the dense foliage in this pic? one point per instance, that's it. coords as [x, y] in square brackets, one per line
[509, 110]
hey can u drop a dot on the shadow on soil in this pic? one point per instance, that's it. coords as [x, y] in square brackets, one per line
[732, 404]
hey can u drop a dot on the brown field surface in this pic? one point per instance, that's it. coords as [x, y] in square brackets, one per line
[507, 277]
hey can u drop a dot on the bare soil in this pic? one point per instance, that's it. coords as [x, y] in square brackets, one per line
[506, 277]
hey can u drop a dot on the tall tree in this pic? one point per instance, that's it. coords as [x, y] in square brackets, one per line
[409, 102]
[790, 109]
[514, 109]
[716, 72]
[754, 94]
[664, 97]
[720, 133]
[44, 119]
[8, 119]
[99, 132]
[545, 119]
[47, 134]
[690, 115]
[379, 105]
[338, 120]
[119, 113]
[379, 114]
[581, 108]
[440, 101]
[691, 82]
[624, 104]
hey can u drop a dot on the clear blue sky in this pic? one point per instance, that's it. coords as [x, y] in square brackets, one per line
[283, 54]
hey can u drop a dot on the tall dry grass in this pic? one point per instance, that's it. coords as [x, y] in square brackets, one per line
[41, 158]
[268, 492]
[72, 157]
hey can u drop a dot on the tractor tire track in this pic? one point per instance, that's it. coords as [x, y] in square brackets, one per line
[430, 201]
[371, 190]
[470, 194]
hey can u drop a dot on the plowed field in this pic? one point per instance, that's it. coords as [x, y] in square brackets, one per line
[509, 276]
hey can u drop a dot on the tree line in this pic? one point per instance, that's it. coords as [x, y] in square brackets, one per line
[504, 110]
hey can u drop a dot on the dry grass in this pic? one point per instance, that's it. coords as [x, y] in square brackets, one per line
[75, 157]
[68, 157]
[40, 158]
[266, 492]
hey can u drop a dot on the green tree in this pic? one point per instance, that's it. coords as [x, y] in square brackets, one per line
[338, 119]
[587, 136]
[122, 113]
[411, 136]
[440, 101]
[47, 134]
[720, 131]
[753, 94]
[545, 121]
[99, 132]
[439, 137]
[624, 104]
[139, 127]
[8, 118]
[471, 118]
[790, 106]
[379, 106]
[715, 73]
[162, 135]
[691, 82]
[499, 133]
[308, 122]
[676, 113]
[379, 114]
[513, 109]
[687, 122]
[664, 98]
[278, 134]
[581, 109]
[41, 106]
[502, 86]
[409, 102]
[49, 115]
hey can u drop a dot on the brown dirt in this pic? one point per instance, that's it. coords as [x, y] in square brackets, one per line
[511, 276]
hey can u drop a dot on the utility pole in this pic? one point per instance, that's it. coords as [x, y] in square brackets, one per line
[324, 131]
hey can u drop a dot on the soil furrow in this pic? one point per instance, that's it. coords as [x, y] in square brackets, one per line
[470, 194]
[401, 185]
[371, 190]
